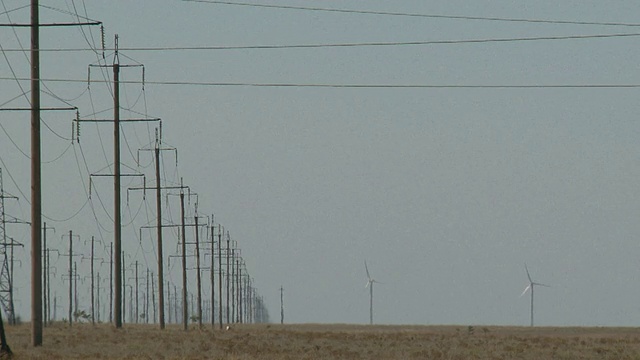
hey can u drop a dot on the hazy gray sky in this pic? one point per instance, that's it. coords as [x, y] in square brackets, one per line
[446, 192]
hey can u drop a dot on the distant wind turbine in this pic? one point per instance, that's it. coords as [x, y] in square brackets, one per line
[530, 287]
[369, 285]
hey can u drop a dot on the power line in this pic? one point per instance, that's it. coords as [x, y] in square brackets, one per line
[436, 16]
[356, 44]
[353, 86]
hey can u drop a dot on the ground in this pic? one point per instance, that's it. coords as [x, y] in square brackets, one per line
[324, 341]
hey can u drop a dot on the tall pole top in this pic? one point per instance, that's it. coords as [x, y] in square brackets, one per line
[116, 58]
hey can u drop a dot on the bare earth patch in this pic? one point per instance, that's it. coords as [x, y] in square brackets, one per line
[311, 341]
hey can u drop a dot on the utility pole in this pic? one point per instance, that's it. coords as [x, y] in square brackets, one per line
[220, 275]
[75, 288]
[136, 264]
[93, 318]
[281, 305]
[169, 300]
[36, 184]
[227, 273]
[159, 236]
[239, 292]
[198, 269]
[157, 149]
[119, 288]
[153, 297]
[98, 299]
[48, 289]
[36, 181]
[146, 300]
[45, 280]
[213, 292]
[175, 302]
[70, 275]
[185, 300]
[111, 283]
[116, 184]
[123, 299]
[185, 310]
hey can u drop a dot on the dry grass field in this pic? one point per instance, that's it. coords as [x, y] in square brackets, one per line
[84, 341]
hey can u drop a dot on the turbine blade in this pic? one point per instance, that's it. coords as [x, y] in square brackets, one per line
[527, 270]
[525, 290]
[539, 284]
[367, 270]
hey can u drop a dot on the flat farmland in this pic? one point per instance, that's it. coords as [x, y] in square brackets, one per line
[325, 341]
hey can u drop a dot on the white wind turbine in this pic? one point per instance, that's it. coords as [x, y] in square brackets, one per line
[369, 285]
[531, 285]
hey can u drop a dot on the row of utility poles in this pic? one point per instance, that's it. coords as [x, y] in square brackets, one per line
[227, 263]
[245, 303]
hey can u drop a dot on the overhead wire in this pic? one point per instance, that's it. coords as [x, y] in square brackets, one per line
[365, 86]
[415, 15]
[13, 142]
[94, 113]
[84, 186]
[354, 44]
[13, 180]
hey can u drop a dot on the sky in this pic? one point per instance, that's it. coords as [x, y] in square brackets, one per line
[446, 192]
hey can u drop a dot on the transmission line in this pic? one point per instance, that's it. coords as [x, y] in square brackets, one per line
[354, 85]
[345, 45]
[436, 16]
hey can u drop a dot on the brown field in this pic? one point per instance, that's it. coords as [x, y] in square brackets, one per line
[84, 341]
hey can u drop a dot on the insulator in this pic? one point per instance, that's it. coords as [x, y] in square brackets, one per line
[102, 38]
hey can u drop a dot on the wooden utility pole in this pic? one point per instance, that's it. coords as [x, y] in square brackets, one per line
[36, 180]
[48, 289]
[45, 280]
[75, 291]
[185, 310]
[111, 283]
[281, 305]
[227, 273]
[213, 292]
[137, 293]
[153, 297]
[70, 277]
[44, 274]
[36, 184]
[169, 300]
[239, 292]
[157, 151]
[175, 302]
[146, 300]
[198, 269]
[123, 290]
[220, 275]
[116, 187]
[93, 319]
[98, 298]
[118, 304]
[159, 236]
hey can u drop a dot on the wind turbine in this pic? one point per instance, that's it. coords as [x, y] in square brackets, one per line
[369, 285]
[530, 287]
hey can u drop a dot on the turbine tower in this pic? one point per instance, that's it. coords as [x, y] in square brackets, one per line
[531, 285]
[369, 285]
